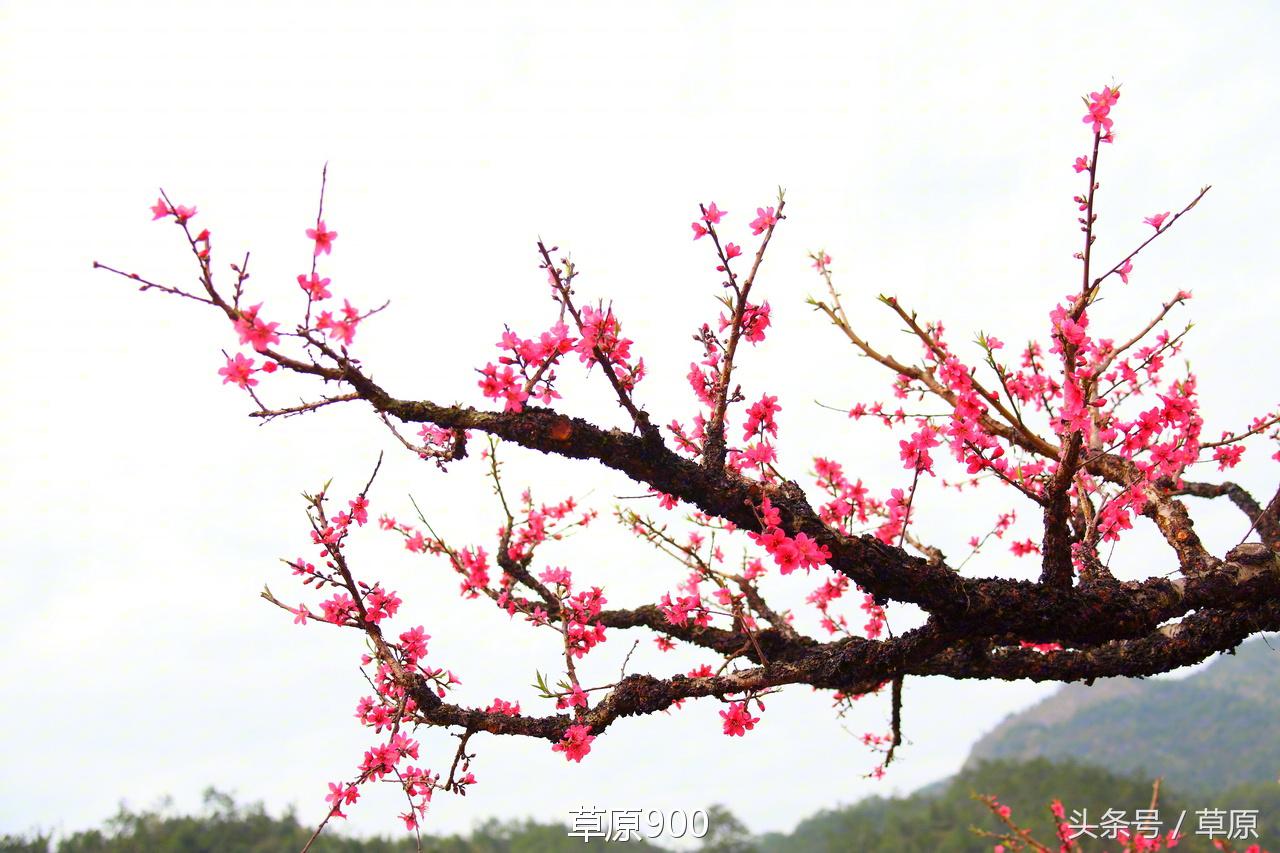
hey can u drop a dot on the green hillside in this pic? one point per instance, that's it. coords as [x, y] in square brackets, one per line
[1214, 729]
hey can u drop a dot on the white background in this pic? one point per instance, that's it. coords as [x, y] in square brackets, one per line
[927, 149]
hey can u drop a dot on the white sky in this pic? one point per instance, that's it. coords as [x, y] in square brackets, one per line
[928, 150]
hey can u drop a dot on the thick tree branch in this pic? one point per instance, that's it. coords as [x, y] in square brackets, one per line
[1264, 520]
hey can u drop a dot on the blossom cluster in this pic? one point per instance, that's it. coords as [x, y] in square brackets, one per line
[256, 332]
[709, 376]
[789, 552]
[398, 665]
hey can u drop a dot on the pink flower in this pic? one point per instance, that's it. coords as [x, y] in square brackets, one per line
[558, 575]
[915, 453]
[713, 214]
[732, 250]
[254, 331]
[503, 384]
[1021, 549]
[161, 209]
[1099, 106]
[338, 608]
[1081, 164]
[1227, 457]
[765, 218]
[1098, 117]
[238, 370]
[576, 743]
[324, 239]
[1157, 220]
[699, 231]
[342, 330]
[339, 794]
[315, 286]
[677, 612]
[381, 605]
[760, 417]
[1125, 270]
[414, 643]
[1107, 97]
[738, 720]
[820, 261]
[755, 320]
[360, 510]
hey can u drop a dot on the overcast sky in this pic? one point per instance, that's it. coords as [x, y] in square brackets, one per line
[927, 149]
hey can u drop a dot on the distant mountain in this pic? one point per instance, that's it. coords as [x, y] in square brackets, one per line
[1214, 729]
